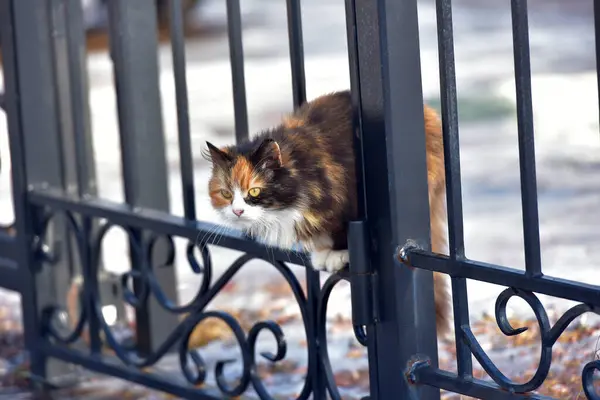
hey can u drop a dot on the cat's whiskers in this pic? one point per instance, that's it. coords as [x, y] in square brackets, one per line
[201, 241]
[212, 233]
[221, 231]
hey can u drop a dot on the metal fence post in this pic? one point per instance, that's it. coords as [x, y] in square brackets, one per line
[37, 154]
[393, 143]
[134, 43]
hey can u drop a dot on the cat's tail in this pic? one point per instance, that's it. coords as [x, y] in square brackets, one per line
[442, 304]
[438, 216]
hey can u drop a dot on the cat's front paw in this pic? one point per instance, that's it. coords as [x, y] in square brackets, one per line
[329, 260]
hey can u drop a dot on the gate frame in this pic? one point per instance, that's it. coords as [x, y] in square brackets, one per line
[390, 123]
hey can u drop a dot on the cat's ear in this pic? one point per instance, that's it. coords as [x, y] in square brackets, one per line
[267, 154]
[216, 156]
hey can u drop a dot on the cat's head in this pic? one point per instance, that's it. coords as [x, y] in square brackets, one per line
[250, 184]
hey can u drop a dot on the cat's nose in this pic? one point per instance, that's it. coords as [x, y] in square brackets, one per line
[238, 212]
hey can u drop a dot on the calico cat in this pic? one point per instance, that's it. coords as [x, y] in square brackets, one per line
[296, 184]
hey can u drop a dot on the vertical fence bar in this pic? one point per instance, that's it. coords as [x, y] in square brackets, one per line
[71, 176]
[236, 56]
[79, 96]
[531, 230]
[294, 20]
[450, 128]
[58, 39]
[183, 117]
[392, 127]
[133, 46]
[351, 33]
[453, 181]
[354, 64]
[84, 158]
[460, 304]
[313, 279]
[36, 153]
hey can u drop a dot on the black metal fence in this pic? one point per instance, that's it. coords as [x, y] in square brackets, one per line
[60, 224]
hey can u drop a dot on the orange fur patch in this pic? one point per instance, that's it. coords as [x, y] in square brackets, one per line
[216, 199]
[242, 175]
[291, 122]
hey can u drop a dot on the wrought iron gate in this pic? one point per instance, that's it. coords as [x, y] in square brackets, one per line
[60, 224]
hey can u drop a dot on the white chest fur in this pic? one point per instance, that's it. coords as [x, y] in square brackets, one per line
[277, 228]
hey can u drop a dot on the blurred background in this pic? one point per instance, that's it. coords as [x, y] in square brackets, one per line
[567, 139]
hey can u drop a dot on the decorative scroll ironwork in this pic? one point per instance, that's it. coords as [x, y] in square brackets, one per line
[549, 335]
[191, 362]
[587, 378]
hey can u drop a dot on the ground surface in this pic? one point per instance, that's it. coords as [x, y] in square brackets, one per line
[568, 164]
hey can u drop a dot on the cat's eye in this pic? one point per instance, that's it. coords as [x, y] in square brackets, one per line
[254, 192]
[226, 194]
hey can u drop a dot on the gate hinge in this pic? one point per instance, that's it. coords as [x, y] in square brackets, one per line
[363, 281]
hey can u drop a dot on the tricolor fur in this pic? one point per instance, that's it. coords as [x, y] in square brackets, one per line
[295, 184]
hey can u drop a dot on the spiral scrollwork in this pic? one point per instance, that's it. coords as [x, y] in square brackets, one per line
[193, 366]
[549, 336]
[139, 283]
[272, 357]
[199, 375]
[587, 379]
[360, 333]
[204, 269]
